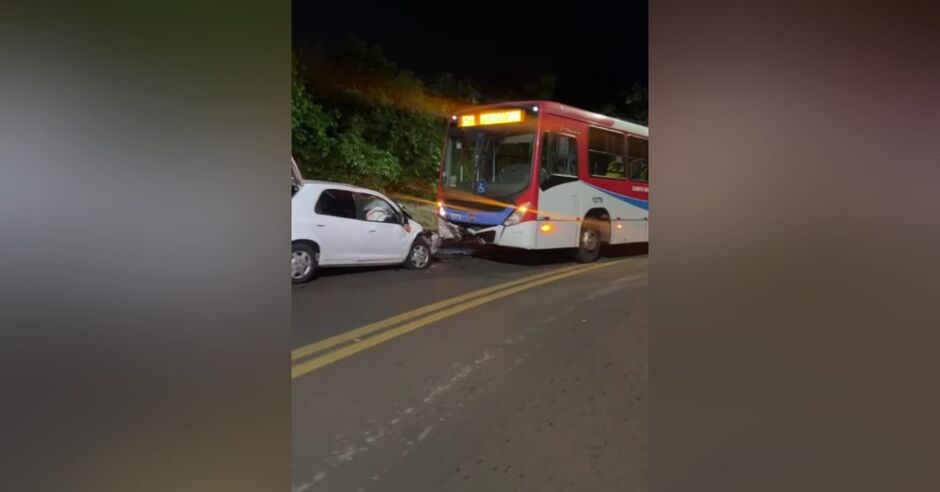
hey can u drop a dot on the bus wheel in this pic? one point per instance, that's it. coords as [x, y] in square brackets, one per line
[589, 244]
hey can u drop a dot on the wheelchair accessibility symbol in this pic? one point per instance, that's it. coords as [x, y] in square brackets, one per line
[481, 187]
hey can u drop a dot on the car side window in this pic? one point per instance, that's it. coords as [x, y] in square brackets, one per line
[375, 209]
[338, 203]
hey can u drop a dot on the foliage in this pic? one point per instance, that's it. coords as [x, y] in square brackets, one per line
[543, 88]
[448, 86]
[311, 124]
[631, 105]
[357, 118]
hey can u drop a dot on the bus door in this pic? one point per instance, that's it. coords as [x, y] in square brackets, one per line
[638, 175]
[559, 203]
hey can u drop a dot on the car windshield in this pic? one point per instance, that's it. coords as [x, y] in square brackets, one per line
[493, 161]
[296, 180]
[404, 210]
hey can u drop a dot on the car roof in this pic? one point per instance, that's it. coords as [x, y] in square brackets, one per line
[341, 186]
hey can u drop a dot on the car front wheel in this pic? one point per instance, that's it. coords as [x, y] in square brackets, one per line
[419, 256]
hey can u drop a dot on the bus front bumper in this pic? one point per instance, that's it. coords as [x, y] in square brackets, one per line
[515, 236]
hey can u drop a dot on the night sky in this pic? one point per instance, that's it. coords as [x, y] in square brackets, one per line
[594, 50]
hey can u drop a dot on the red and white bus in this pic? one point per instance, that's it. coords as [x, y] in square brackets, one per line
[543, 175]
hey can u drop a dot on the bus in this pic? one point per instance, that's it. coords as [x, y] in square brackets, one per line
[543, 175]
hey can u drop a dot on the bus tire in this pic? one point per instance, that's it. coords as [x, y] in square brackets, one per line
[589, 243]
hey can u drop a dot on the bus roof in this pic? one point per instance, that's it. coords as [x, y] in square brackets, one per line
[559, 109]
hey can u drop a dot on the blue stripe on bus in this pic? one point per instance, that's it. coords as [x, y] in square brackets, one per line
[481, 218]
[636, 202]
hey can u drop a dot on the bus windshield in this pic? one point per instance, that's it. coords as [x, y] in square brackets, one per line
[492, 161]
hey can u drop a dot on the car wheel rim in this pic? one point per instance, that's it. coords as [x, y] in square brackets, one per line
[300, 264]
[420, 256]
[589, 239]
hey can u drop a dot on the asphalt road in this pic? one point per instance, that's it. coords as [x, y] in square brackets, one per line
[538, 385]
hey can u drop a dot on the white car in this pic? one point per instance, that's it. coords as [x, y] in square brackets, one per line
[334, 224]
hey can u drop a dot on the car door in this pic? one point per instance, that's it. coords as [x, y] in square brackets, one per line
[387, 239]
[342, 234]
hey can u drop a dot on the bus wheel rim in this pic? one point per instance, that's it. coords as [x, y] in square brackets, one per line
[589, 239]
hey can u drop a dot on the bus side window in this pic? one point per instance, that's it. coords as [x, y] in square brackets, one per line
[638, 153]
[605, 154]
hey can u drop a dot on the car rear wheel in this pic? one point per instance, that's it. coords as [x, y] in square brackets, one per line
[419, 256]
[303, 263]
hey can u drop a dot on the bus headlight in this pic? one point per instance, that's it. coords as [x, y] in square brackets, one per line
[516, 216]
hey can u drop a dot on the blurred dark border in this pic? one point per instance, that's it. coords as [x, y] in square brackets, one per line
[794, 245]
[145, 221]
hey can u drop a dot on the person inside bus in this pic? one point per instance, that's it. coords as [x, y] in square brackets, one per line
[639, 170]
[615, 170]
[513, 173]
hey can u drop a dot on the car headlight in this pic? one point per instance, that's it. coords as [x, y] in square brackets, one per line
[516, 216]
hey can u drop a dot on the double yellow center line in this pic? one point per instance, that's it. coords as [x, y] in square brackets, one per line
[372, 334]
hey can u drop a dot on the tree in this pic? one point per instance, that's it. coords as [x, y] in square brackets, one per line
[543, 88]
[632, 105]
[456, 92]
[311, 123]
[357, 118]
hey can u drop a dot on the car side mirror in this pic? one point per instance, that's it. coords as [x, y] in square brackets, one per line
[402, 214]
[405, 224]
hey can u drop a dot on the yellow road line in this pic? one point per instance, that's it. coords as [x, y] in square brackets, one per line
[311, 365]
[414, 313]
